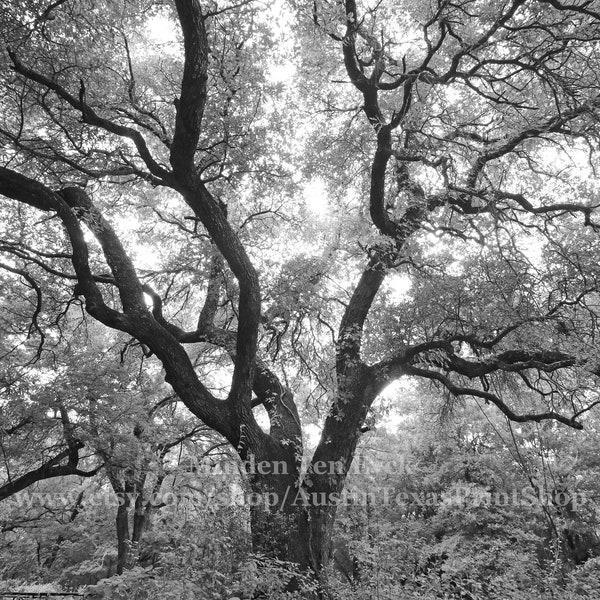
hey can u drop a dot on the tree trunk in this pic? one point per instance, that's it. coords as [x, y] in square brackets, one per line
[289, 521]
[122, 522]
[293, 517]
[274, 517]
[296, 530]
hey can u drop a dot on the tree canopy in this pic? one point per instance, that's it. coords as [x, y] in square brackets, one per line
[280, 210]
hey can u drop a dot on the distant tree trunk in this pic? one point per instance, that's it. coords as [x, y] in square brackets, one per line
[129, 537]
[122, 523]
[140, 519]
[143, 507]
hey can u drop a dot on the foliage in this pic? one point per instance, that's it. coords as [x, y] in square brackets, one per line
[227, 224]
[467, 511]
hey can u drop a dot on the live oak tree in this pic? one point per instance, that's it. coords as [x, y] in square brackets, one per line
[456, 140]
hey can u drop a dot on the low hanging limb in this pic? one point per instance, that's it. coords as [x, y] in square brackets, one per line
[48, 470]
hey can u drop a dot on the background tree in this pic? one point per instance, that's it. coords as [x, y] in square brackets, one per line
[475, 506]
[462, 135]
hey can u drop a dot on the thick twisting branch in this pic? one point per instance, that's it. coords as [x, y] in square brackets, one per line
[73, 205]
[192, 100]
[457, 390]
[438, 361]
[277, 399]
[209, 209]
